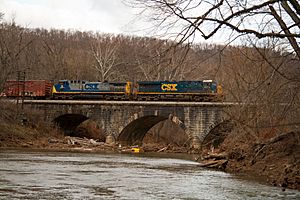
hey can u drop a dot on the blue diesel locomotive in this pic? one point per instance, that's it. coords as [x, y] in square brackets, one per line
[67, 89]
[206, 90]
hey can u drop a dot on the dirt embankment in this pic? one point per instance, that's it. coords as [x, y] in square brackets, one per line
[276, 160]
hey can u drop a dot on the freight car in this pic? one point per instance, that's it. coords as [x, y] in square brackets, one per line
[36, 89]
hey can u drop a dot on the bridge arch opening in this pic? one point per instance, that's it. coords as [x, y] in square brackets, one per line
[158, 130]
[78, 125]
[216, 135]
[69, 122]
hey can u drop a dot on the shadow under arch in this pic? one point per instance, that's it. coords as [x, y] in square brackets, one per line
[135, 131]
[69, 122]
[217, 134]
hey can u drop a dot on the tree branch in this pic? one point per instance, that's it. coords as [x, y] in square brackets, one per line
[291, 39]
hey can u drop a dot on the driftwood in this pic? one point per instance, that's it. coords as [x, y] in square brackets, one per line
[214, 164]
[213, 160]
[215, 156]
[261, 146]
[163, 149]
[82, 141]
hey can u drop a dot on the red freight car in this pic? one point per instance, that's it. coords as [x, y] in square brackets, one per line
[38, 89]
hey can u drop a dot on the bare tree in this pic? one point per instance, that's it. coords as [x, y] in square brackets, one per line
[103, 51]
[55, 47]
[271, 18]
[268, 100]
[161, 59]
[12, 46]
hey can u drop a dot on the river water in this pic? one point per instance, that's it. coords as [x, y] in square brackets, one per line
[54, 175]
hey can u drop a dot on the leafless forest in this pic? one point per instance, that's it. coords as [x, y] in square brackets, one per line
[58, 54]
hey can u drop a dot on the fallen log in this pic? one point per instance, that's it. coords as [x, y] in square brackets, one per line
[214, 164]
[163, 149]
[83, 141]
[215, 156]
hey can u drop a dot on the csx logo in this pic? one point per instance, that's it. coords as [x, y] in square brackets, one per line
[169, 87]
[91, 86]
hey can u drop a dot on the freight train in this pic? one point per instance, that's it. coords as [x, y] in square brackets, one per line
[206, 90]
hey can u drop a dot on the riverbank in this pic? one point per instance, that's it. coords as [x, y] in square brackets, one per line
[276, 160]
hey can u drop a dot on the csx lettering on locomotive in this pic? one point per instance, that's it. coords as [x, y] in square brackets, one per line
[169, 87]
[91, 86]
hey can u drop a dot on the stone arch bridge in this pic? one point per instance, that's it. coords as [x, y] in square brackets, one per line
[129, 121]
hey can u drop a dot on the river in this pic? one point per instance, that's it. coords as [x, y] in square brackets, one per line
[61, 175]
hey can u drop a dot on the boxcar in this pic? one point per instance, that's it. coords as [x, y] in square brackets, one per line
[38, 89]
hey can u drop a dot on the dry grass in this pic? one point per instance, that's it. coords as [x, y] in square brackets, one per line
[18, 125]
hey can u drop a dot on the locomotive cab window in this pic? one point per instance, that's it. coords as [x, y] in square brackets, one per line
[207, 85]
[214, 87]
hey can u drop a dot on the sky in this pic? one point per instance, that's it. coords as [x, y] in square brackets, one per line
[106, 16]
